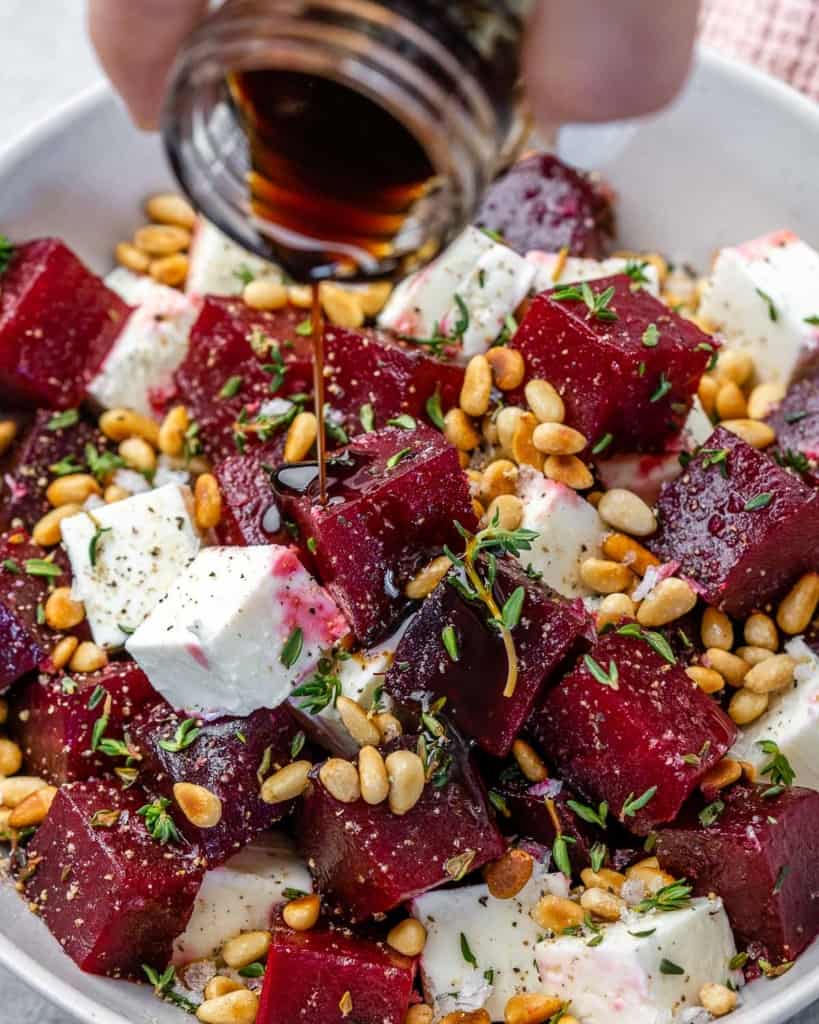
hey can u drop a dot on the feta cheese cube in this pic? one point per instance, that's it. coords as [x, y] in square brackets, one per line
[641, 978]
[568, 527]
[791, 721]
[238, 629]
[698, 427]
[576, 269]
[217, 263]
[125, 556]
[240, 895]
[760, 297]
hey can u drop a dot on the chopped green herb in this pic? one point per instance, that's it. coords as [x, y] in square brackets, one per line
[98, 731]
[643, 935]
[669, 967]
[291, 652]
[737, 961]
[42, 567]
[715, 457]
[604, 442]
[399, 456]
[597, 856]
[244, 274]
[796, 416]
[114, 748]
[163, 983]
[675, 896]
[102, 464]
[293, 894]
[450, 641]
[367, 416]
[759, 501]
[589, 814]
[662, 389]
[778, 769]
[466, 952]
[65, 466]
[312, 544]
[40, 614]
[596, 303]
[708, 815]
[68, 685]
[321, 690]
[104, 819]
[186, 734]
[496, 236]
[305, 328]
[434, 411]
[240, 736]
[797, 461]
[780, 879]
[511, 611]
[610, 678]
[11, 566]
[499, 803]
[231, 387]
[93, 544]
[159, 823]
[636, 271]
[595, 940]
[812, 320]
[772, 310]
[656, 641]
[633, 805]
[6, 252]
[60, 420]
[560, 854]
[462, 324]
[774, 971]
[97, 696]
[651, 336]
[405, 421]
[297, 744]
[254, 970]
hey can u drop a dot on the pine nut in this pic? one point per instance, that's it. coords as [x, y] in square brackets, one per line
[88, 658]
[8, 432]
[499, 477]
[771, 675]
[405, 770]
[650, 875]
[459, 430]
[300, 296]
[238, 1007]
[48, 531]
[340, 779]
[602, 904]
[708, 680]
[753, 655]
[15, 790]
[11, 757]
[489, 430]
[557, 913]
[605, 879]
[716, 629]
[669, 600]
[749, 771]
[301, 437]
[373, 297]
[717, 999]
[605, 577]
[162, 239]
[707, 392]
[420, 1013]
[201, 807]
[507, 509]
[558, 439]
[644, 862]
[799, 606]
[545, 402]
[506, 876]
[171, 435]
[630, 552]
[287, 783]
[752, 432]
[408, 937]
[137, 454]
[114, 493]
[731, 403]
[477, 386]
[389, 726]
[133, 259]
[724, 773]
[170, 208]
[72, 489]
[531, 1008]
[568, 470]
[627, 512]
[466, 1017]
[4, 716]
[763, 399]
[372, 774]
[171, 271]
[507, 366]
[523, 447]
[342, 306]
[246, 949]
[61, 612]
[746, 706]
[265, 294]
[33, 810]
[63, 651]
[732, 669]
[421, 585]
[613, 609]
[735, 365]
[760, 631]
[507, 421]
[119, 424]
[356, 722]
[207, 502]
[529, 761]
[302, 914]
[220, 986]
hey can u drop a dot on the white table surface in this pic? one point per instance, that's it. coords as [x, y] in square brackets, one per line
[44, 59]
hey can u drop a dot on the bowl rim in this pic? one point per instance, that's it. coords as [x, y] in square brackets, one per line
[780, 1006]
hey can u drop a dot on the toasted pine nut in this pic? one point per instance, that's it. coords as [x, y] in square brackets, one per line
[735, 365]
[287, 783]
[63, 651]
[357, 724]
[424, 582]
[558, 439]
[545, 402]
[749, 771]
[33, 810]
[171, 435]
[489, 430]
[477, 386]
[605, 878]
[265, 294]
[300, 296]
[746, 706]
[669, 600]
[732, 669]
[650, 875]
[373, 297]
[707, 392]
[568, 470]
[302, 914]
[220, 986]
[301, 437]
[207, 502]
[11, 757]
[8, 432]
[644, 862]
[627, 512]
[15, 790]
[753, 655]
[114, 493]
[731, 404]
[201, 807]
[137, 454]
[799, 606]
[466, 1017]
[4, 716]
[557, 913]
[717, 999]
[531, 1008]
[88, 657]
[630, 552]
[48, 531]
[72, 489]
[529, 761]
[389, 726]
[171, 208]
[760, 631]
[119, 424]
[408, 937]
[340, 779]
[602, 904]
[771, 675]
[405, 770]
[507, 875]
[162, 239]
[499, 477]
[133, 259]
[420, 1013]
[240, 1007]
[605, 577]
[763, 399]
[613, 609]
[61, 612]
[170, 270]
[372, 775]
[507, 366]
[716, 629]
[722, 774]
[246, 949]
[459, 430]
[708, 679]
[342, 306]
[507, 509]
[506, 421]
[523, 447]
[752, 432]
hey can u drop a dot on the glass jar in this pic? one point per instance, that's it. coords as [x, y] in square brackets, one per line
[346, 138]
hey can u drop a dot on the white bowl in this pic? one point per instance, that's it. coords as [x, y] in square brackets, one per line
[737, 156]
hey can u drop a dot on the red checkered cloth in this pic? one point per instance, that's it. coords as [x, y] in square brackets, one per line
[779, 36]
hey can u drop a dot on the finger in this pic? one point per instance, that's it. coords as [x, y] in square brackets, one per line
[136, 41]
[595, 60]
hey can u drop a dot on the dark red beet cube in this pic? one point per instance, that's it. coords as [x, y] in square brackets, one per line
[53, 722]
[549, 632]
[369, 860]
[112, 896]
[796, 422]
[610, 380]
[542, 203]
[250, 514]
[761, 855]
[742, 527]
[328, 975]
[227, 758]
[57, 323]
[393, 496]
[626, 721]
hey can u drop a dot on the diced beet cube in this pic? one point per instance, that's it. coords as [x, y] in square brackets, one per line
[369, 860]
[393, 496]
[761, 855]
[113, 896]
[549, 632]
[250, 514]
[796, 422]
[542, 203]
[229, 757]
[610, 380]
[53, 722]
[57, 323]
[626, 721]
[741, 526]
[331, 976]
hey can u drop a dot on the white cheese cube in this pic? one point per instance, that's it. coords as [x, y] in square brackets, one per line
[791, 721]
[239, 896]
[218, 264]
[575, 269]
[698, 426]
[238, 629]
[568, 527]
[760, 297]
[125, 556]
[642, 979]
